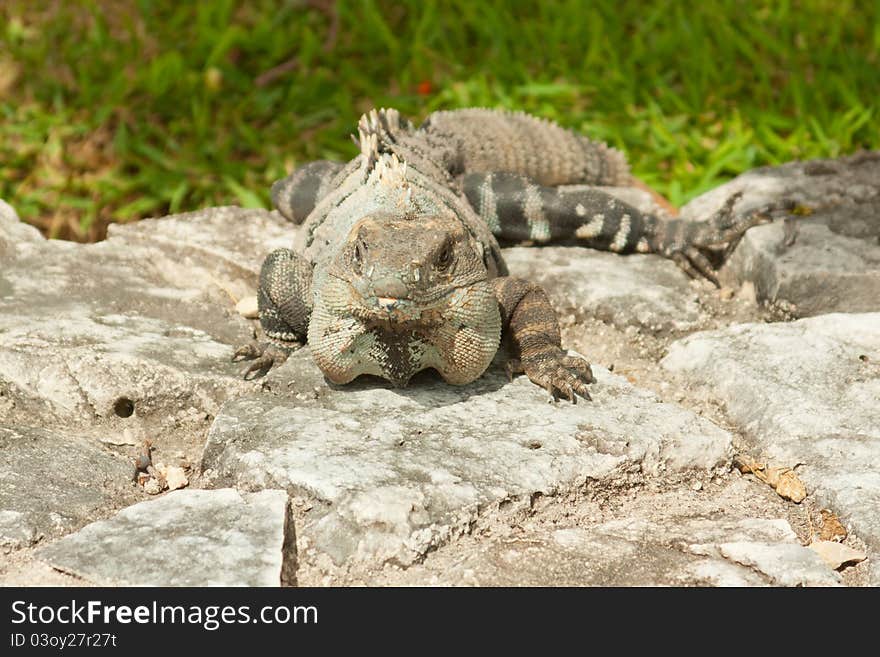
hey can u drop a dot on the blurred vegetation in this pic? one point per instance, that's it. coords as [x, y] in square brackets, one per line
[111, 110]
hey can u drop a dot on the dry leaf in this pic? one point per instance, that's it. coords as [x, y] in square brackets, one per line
[783, 480]
[832, 529]
[790, 487]
[770, 475]
[746, 464]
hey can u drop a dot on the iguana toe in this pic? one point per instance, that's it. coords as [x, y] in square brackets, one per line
[264, 357]
[247, 351]
[561, 375]
[696, 265]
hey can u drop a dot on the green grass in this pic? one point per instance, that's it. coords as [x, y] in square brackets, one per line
[112, 110]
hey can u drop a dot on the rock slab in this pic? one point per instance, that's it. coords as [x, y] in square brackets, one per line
[391, 474]
[185, 538]
[644, 291]
[144, 319]
[806, 393]
[136, 332]
[51, 483]
[679, 551]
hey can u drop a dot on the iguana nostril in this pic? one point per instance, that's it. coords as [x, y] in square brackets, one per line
[390, 287]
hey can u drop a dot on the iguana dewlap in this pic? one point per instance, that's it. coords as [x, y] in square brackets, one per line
[398, 267]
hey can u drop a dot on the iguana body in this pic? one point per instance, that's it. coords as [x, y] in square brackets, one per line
[399, 269]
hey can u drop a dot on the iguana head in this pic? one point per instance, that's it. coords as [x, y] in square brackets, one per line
[402, 269]
[406, 292]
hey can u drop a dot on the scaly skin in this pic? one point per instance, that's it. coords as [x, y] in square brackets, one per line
[398, 268]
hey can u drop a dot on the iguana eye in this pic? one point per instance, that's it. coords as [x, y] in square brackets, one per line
[444, 259]
[360, 251]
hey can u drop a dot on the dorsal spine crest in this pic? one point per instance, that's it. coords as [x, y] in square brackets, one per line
[377, 135]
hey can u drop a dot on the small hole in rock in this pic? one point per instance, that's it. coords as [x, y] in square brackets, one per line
[123, 407]
[534, 445]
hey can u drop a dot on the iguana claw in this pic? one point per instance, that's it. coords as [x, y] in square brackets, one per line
[264, 355]
[560, 375]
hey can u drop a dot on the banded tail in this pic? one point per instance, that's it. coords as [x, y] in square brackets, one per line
[517, 209]
[297, 195]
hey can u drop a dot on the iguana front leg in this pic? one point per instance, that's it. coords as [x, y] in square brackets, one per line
[284, 302]
[532, 331]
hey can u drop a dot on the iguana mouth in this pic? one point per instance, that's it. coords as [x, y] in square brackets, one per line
[390, 304]
[402, 316]
[397, 315]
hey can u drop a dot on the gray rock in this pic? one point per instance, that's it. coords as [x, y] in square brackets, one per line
[805, 392]
[675, 551]
[136, 329]
[834, 264]
[787, 565]
[51, 484]
[8, 215]
[644, 291]
[392, 474]
[13, 233]
[823, 272]
[653, 536]
[132, 337]
[186, 538]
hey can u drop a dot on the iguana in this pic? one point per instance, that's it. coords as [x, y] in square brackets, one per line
[398, 266]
